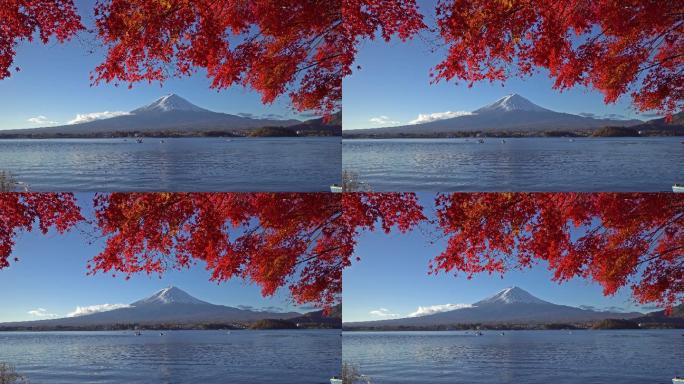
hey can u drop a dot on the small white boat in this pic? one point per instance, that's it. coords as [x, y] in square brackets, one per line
[335, 380]
[678, 380]
[335, 188]
[20, 185]
[679, 188]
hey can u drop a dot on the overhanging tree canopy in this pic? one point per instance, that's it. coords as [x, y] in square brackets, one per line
[21, 19]
[617, 47]
[614, 239]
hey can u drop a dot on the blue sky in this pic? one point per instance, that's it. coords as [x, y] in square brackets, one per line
[53, 86]
[393, 87]
[392, 279]
[51, 275]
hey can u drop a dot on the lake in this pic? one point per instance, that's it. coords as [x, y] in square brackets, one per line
[520, 357]
[520, 164]
[283, 356]
[179, 164]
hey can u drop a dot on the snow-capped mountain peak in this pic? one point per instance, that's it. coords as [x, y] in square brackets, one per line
[169, 103]
[513, 102]
[169, 295]
[512, 295]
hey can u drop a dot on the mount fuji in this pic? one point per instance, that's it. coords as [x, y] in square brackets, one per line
[512, 113]
[511, 305]
[169, 103]
[170, 113]
[169, 305]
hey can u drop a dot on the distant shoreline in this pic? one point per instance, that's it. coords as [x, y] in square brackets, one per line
[276, 325]
[154, 137]
[380, 330]
[163, 135]
[607, 132]
[173, 329]
[608, 324]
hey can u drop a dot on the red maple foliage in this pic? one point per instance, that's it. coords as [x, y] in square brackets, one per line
[300, 47]
[21, 211]
[617, 47]
[614, 239]
[302, 240]
[21, 19]
[365, 19]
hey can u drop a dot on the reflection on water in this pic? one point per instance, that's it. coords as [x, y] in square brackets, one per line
[187, 164]
[522, 164]
[578, 357]
[307, 356]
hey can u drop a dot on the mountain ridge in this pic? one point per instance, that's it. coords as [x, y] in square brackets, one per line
[511, 305]
[511, 295]
[511, 113]
[171, 115]
[169, 305]
[509, 103]
[169, 295]
[170, 102]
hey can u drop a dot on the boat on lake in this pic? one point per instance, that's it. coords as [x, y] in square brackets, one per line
[335, 380]
[335, 188]
[678, 188]
[678, 380]
[9, 184]
[21, 186]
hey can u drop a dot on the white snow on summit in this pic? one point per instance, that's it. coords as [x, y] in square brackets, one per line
[168, 296]
[512, 295]
[510, 103]
[168, 103]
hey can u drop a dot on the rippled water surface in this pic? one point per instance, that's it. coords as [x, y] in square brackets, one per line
[522, 164]
[310, 356]
[580, 357]
[182, 164]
